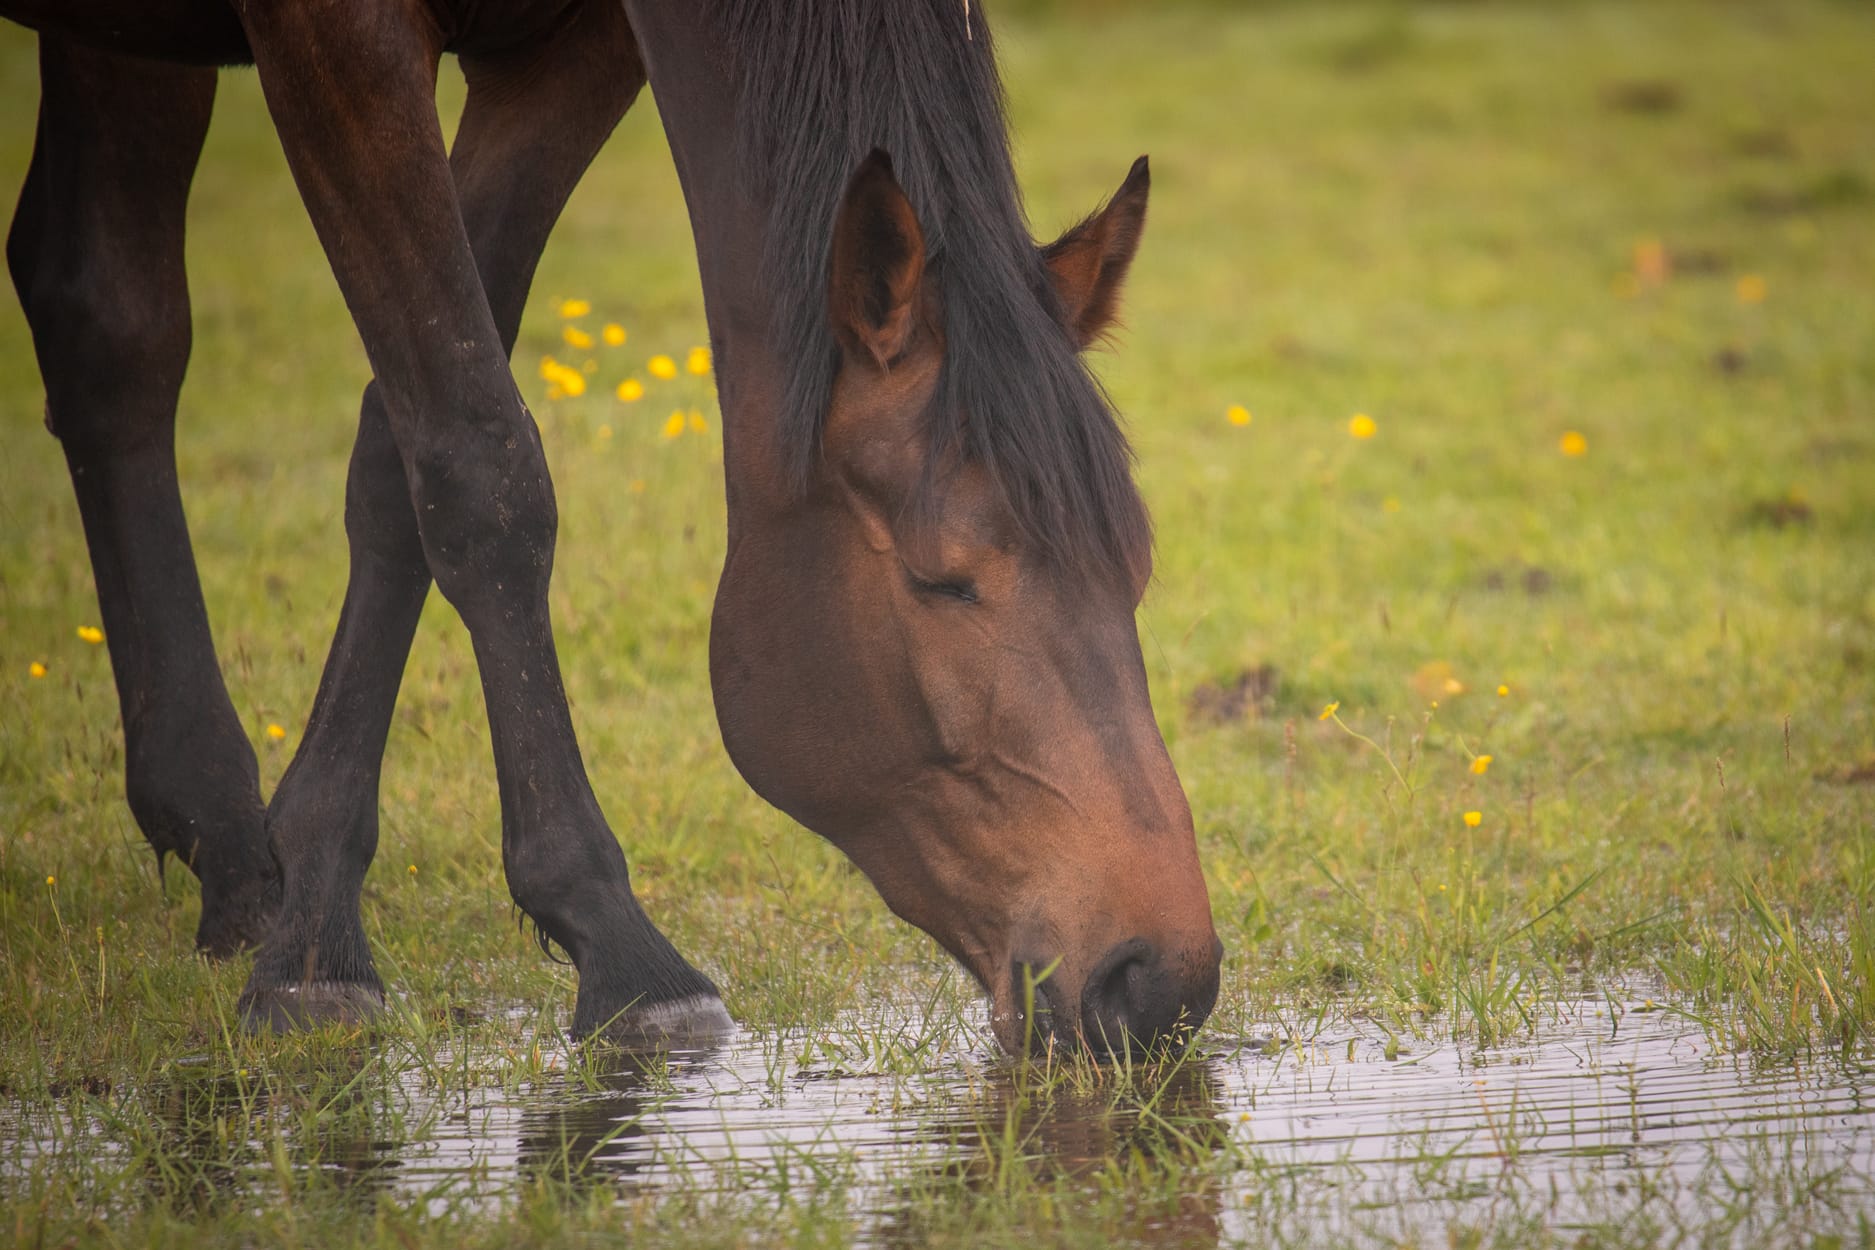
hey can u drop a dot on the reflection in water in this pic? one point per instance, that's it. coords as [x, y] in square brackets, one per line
[1154, 1132]
[1602, 1120]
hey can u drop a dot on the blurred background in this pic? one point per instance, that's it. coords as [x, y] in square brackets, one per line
[1513, 358]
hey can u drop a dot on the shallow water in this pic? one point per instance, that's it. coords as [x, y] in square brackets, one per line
[1605, 1117]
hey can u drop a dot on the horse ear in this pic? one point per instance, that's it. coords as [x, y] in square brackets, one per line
[1089, 262]
[878, 263]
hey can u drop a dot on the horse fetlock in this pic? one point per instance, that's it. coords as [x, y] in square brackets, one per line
[202, 805]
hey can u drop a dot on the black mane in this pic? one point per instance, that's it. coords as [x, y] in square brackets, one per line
[830, 80]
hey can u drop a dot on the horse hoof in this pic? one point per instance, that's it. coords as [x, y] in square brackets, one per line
[681, 1024]
[309, 1005]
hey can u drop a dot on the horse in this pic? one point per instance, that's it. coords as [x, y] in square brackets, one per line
[923, 643]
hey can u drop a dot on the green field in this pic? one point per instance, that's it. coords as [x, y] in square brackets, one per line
[1601, 278]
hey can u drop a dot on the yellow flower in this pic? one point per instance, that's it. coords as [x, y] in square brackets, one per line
[575, 308]
[636, 486]
[1751, 289]
[1237, 414]
[1481, 764]
[1573, 444]
[697, 422]
[698, 361]
[1360, 425]
[1503, 692]
[630, 391]
[576, 337]
[562, 378]
[613, 333]
[276, 732]
[662, 367]
[674, 424]
[1328, 711]
[1390, 504]
[35, 669]
[91, 634]
[52, 880]
[413, 870]
[1474, 819]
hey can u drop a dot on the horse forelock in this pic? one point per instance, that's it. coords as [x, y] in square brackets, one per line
[824, 82]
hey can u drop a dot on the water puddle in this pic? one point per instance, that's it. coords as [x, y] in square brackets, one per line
[1603, 1117]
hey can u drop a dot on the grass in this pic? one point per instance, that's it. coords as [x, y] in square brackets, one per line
[1483, 227]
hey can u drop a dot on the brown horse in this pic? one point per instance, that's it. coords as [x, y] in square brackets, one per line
[923, 645]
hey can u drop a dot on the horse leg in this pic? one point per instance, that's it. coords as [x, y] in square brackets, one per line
[448, 480]
[96, 254]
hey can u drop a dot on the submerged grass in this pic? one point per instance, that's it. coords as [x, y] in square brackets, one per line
[1598, 278]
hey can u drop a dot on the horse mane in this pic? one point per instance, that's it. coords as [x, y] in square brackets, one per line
[824, 83]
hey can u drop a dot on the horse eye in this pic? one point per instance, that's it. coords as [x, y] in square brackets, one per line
[961, 591]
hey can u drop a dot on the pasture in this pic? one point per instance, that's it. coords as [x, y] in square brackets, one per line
[1502, 378]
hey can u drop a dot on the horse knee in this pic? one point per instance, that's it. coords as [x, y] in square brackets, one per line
[113, 343]
[486, 511]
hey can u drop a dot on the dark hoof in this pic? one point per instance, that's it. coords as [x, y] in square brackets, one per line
[309, 1005]
[681, 1024]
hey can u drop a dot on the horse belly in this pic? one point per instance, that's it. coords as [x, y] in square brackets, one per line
[196, 32]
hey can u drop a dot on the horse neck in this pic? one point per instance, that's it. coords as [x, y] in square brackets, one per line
[692, 82]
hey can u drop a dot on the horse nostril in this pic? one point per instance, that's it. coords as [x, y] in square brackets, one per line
[1116, 998]
[1137, 998]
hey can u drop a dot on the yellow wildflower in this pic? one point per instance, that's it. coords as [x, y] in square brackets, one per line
[575, 308]
[35, 669]
[1481, 764]
[91, 634]
[52, 880]
[1237, 414]
[1328, 711]
[1751, 289]
[698, 361]
[613, 333]
[576, 337]
[276, 732]
[674, 424]
[662, 367]
[697, 422]
[1573, 444]
[1503, 692]
[630, 391]
[562, 378]
[413, 870]
[1360, 425]
[1474, 819]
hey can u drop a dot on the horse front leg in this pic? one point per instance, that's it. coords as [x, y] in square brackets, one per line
[96, 253]
[435, 257]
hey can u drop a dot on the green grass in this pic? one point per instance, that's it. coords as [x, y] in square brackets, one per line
[1430, 215]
